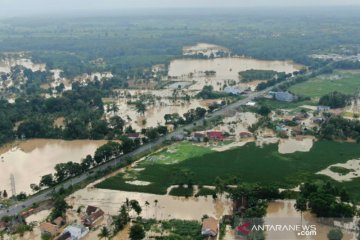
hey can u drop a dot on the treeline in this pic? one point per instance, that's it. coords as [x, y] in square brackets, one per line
[337, 127]
[250, 75]
[280, 78]
[132, 43]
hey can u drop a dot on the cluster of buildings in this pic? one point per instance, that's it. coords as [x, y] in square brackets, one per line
[92, 216]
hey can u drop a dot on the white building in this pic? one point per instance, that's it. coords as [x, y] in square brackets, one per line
[233, 90]
[76, 231]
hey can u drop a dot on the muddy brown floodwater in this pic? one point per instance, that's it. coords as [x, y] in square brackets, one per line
[283, 212]
[227, 68]
[31, 159]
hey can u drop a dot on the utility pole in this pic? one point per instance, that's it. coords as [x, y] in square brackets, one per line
[13, 187]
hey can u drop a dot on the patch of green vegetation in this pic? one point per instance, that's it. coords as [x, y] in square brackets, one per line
[205, 192]
[273, 104]
[182, 229]
[249, 164]
[175, 154]
[351, 187]
[346, 83]
[341, 170]
[182, 191]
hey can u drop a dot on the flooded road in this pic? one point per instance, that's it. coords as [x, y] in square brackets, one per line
[227, 68]
[29, 160]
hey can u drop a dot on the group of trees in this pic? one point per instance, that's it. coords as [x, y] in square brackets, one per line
[208, 93]
[280, 77]
[250, 75]
[325, 200]
[337, 127]
[335, 100]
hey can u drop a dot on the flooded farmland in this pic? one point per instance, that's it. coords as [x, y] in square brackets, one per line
[226, 68]
[29, 160]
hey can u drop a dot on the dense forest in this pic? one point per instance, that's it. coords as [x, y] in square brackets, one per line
[134, 41]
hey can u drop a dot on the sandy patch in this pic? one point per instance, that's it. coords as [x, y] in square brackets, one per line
[229, 146]
[292, 145]
[351, 165]
[138, 183]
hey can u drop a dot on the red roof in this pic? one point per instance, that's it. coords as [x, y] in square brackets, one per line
[216, 135]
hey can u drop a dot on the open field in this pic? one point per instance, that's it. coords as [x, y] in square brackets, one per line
[342, 81]
[249, 164]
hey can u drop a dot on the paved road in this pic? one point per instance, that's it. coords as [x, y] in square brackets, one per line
[46, 194]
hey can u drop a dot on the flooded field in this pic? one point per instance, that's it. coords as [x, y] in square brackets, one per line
[161, 206]
[205, 49]
[154, 114]
[29, 160]
[7, 64]
[283, 212]
[226, 68]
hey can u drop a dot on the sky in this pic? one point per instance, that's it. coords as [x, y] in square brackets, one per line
[15, 8]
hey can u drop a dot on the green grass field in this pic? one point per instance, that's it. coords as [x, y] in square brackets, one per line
[347, 82]
[249, 164]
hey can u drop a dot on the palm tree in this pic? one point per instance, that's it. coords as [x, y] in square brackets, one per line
[104, 233]
[147, 204]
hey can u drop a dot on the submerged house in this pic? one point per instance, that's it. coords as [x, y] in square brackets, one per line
[93, 215]
[50, 229]
[74, 232]
[210, 227]
[215, 135]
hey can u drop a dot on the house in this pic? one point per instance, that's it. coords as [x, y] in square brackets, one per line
[210, 227]
[59, 221]
[245, 135]
[64, 236]
[133, 136]
[178, 137]
[215, 135]
[93, 215]
[251, 104]
[198, 137]
[281, 129]
[47, 228]
[233, 90]
[284, 96]
[323, 108]
[318, 120]
[74, 232]
[2, 226]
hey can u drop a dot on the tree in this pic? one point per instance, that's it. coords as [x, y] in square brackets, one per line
[137, 232]
[300, 205]
[264, 111]
[104, 233]
[136, 206]
[47, 181]
[140, 107]
[335, 234]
